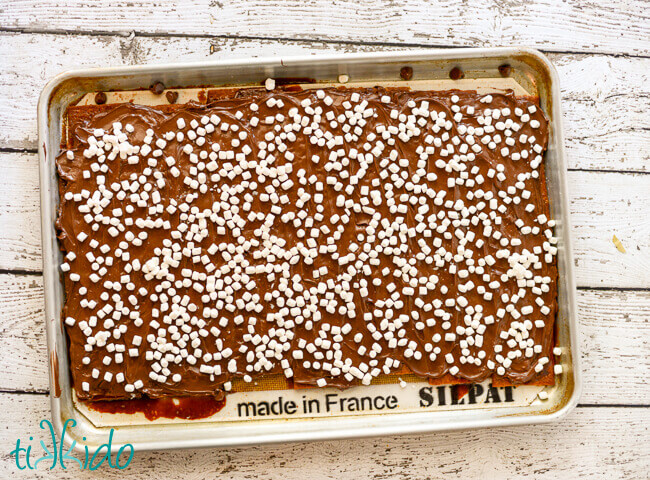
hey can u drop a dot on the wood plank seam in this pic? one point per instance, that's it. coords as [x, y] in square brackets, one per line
[18, 150]
[601, 170]
[117, 33]
[18, 271]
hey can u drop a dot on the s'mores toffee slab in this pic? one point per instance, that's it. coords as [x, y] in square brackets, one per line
[323, 237]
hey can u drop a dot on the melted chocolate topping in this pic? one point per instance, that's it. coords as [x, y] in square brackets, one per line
[331, 236]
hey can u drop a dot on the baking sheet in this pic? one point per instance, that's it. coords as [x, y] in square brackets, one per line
[532, 74]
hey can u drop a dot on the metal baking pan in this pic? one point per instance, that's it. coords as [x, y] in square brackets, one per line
[531, 73]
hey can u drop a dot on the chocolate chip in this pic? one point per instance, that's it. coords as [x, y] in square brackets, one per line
[456, 74]
[406, 73]
[505, 70]
[100, 98]
[172, 96]
[158, 88]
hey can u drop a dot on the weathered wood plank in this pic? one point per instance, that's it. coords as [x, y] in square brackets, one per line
[604, 98]
[590, 443]
[614, 345]
[614, 342]
[20, 235]
[608, 26]
[602, 205]
[22, 334]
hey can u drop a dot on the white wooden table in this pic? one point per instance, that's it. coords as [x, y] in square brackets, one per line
[602, 51]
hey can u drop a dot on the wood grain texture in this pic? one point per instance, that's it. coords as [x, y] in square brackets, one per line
[604, 103]
[613, 342]
[604, 98]
[22, 334]
[602, 53]
[608, 26]
[615, 346]
[601, 204]
[591, 443]
[20, 222]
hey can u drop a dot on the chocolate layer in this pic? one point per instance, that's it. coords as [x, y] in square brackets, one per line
[344, 235]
